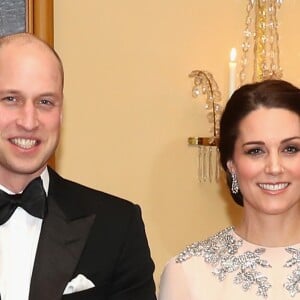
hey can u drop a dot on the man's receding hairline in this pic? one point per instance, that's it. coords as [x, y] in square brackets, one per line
[21, 38]
[25, 38]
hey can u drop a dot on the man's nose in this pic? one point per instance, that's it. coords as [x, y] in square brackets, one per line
[28, 117]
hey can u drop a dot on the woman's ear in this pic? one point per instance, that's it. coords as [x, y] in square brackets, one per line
[230, 166]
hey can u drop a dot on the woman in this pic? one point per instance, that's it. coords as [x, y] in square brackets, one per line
[260, 153]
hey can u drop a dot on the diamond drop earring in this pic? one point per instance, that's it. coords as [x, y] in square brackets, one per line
[234, 184]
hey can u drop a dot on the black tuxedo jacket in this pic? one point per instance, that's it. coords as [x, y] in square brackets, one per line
[95, 234]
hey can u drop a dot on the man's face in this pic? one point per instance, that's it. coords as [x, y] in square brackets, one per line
[30, 108]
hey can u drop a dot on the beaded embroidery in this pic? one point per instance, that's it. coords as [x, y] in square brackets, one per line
[292, 285]
[221, 250]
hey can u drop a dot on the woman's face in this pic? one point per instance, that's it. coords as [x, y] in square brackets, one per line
[266, 160]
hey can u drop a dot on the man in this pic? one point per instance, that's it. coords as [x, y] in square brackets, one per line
[83, 244]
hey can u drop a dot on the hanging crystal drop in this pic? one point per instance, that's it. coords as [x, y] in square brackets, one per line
[196, 91]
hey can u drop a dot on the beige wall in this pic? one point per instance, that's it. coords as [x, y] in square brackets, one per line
[129, 110]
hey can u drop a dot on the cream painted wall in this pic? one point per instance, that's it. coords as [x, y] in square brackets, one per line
[129, 110]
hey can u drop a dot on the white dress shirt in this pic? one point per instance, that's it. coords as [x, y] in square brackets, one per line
[18, 244]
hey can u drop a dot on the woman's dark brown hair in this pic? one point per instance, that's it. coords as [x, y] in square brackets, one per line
[269, 94]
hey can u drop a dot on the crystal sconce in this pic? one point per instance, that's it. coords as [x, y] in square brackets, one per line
[260, 46]
[208, 160]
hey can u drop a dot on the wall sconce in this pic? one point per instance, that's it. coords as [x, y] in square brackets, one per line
[260, 36]
[208, 159]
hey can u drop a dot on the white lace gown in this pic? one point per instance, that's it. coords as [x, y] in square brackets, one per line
[225, 267]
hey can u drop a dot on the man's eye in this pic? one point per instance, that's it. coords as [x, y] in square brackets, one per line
[46, 102]
[10, 99]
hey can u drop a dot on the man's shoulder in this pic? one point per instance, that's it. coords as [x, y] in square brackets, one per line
[82, 195]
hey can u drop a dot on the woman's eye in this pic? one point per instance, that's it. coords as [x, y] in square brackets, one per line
[254, 151]
[291, 149]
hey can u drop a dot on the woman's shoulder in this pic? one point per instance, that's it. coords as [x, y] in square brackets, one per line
[224, 241]
[188, 270]
[204, 254]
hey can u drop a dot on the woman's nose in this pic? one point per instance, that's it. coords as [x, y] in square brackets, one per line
[274, 165]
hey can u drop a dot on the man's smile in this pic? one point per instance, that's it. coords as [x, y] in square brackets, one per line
[24, 143]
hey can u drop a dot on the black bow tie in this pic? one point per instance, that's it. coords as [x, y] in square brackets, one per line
[33, 200]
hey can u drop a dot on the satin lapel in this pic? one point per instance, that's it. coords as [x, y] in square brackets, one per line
[60, 245]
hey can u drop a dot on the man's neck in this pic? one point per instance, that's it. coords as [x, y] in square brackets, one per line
[17, 183]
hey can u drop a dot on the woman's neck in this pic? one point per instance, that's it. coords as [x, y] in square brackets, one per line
[270, 230]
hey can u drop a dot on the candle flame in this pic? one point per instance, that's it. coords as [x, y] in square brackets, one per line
[233, 55]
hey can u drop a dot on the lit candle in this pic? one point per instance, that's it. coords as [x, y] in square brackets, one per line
[232, 71]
